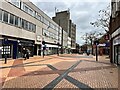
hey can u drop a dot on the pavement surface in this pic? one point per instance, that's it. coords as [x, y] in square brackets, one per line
[67, 71]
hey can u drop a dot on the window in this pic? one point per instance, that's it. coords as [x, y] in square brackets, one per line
[19, 22]
[22, 23]
[5, 17]
[38, 17]
[6, 50]
[46, 21]
[26, 25]
[42, 19]
[16, 21]
[16, 2]
[27, 9]
[33, 27]
[1, 15]
[11, 19]
[30, 27]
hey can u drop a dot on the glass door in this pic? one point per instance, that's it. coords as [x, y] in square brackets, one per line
[116, 55]
[119, 54]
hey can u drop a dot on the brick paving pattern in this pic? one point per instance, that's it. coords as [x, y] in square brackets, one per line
[38, 72]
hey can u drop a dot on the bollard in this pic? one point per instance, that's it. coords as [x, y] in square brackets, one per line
[5, 59]
[43, 54]
[96, 53]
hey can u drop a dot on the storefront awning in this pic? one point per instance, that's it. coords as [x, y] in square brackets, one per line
[49, 45]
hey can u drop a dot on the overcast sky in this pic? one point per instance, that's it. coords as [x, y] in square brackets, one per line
[82, 12]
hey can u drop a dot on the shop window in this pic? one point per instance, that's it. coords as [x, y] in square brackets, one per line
[6, 50]
[0, 15]
[119, 55]
[5, 17]
[11, 19]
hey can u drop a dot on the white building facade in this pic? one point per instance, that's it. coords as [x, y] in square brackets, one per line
[23, 25]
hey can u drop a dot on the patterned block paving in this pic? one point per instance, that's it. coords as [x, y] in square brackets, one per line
[64, 65]
[107, 78]
[33, 67]
[65, 84]
[30, 81]
[89, 64]
[2, 80]
[17, 71]
[5, 72]
[42, 71]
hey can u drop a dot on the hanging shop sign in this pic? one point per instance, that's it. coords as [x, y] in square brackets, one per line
[116, 41]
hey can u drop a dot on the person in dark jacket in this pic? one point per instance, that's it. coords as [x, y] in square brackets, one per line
[25, 53]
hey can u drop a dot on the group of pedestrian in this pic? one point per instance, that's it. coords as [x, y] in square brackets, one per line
[26, 53]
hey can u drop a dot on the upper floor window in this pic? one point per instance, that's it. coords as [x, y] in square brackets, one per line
[27, 9]
[1, 15]
[42, 19]
[15, 2]
[11, 20]
[38, 16]
[46, 21]
[16, 21]
[5, 16]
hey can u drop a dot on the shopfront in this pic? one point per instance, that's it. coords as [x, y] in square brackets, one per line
[13, 48]
[28, 44]
[116, 49]
[9, 48]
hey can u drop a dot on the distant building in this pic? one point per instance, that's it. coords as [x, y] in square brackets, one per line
[115, 32]
[63, 19]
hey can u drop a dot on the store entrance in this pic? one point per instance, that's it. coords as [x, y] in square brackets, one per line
[117, 54]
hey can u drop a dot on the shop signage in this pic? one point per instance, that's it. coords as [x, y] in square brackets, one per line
[39, 38]
[116, 32]
[116, 41]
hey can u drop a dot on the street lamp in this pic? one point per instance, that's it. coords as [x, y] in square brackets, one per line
[43, 43]
[58, 38]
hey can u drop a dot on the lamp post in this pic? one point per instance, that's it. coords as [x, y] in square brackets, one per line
[96, 42]
[5, 40]
[43, 43]
[58, 38]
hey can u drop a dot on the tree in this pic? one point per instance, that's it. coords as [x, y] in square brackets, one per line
[90, 37]
[103, 20]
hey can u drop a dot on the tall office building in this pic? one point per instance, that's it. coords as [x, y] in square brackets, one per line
[63, 19]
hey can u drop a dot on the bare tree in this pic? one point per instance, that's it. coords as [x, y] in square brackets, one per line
[90, 37]
[103, 20]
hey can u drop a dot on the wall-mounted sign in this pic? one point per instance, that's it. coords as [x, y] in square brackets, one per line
[39, 38]
[116, 41]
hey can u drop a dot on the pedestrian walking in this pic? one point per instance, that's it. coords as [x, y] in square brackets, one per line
[24, 53]
[27, 53]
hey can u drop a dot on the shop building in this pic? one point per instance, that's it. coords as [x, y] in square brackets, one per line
[23, 25]
[115, 32]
